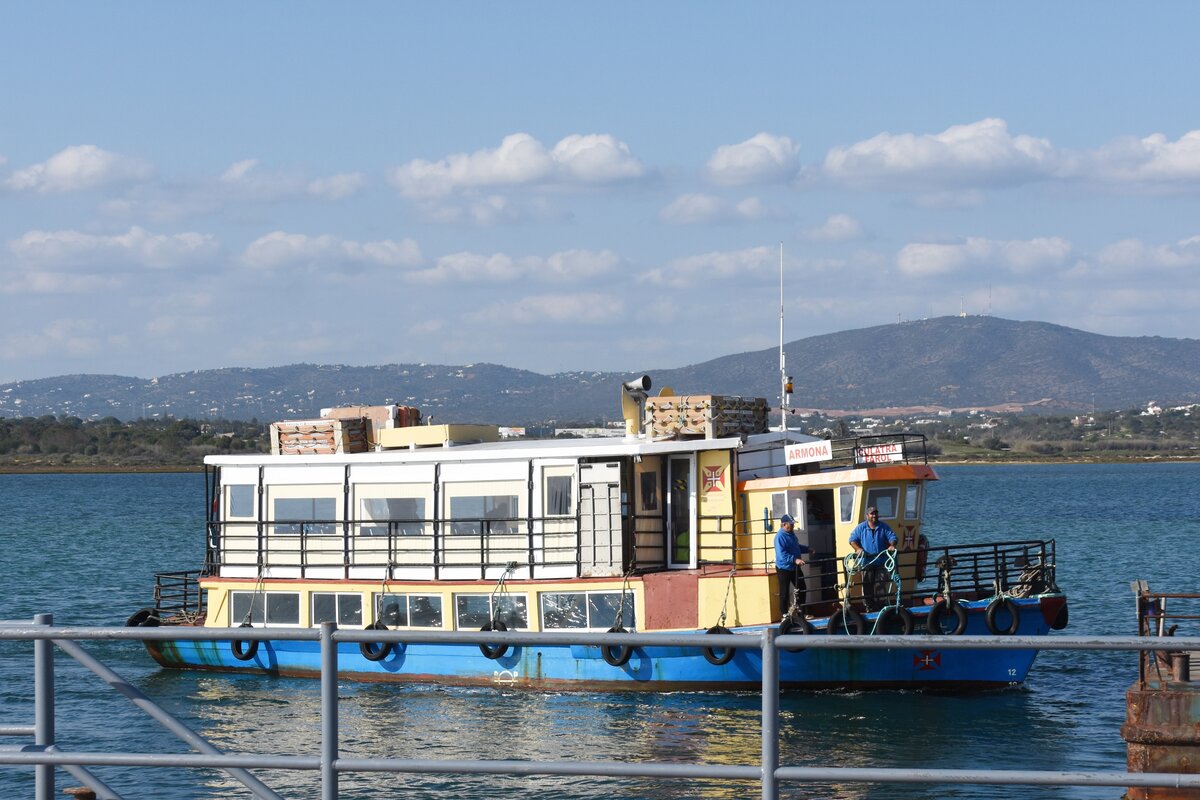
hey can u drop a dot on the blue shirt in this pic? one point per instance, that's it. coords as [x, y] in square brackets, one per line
[873, 541]
[787, 550]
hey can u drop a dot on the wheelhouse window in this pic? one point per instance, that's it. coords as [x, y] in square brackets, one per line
[404, 515]
[240, 501]
[473, 611]
[846, 503]
[912, 501]
[558, 495]
[312, 515]
[409, 610]
[344, 609]
[886, 500]
[264, 608]
[592, 610]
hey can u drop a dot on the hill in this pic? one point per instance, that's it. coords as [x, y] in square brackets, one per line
[947, 362]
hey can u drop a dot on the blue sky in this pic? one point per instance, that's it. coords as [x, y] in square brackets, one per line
[581, 186]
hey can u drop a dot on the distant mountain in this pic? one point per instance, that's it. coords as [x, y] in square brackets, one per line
[948, 362]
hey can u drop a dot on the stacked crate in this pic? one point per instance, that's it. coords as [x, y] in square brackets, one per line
[705, 415]
[318, 437]
[376, 418]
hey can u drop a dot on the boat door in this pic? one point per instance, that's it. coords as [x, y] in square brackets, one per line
[600, 519]
[681, 513]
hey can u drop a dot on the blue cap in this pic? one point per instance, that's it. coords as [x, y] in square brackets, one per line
[787, 518]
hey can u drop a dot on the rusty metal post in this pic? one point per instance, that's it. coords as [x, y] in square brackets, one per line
[1162, 733]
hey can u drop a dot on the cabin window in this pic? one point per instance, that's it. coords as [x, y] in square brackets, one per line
[846, 503]
[312, 515]
[597, 610]
[241, 500]
[409, 610]
[486, 513]
[344, 609]
[473, 611]
[264, 608]
[406, 515]
[558, 495]
[886, 500]
[912, 501]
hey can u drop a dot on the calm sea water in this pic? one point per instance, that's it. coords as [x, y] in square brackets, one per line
[85, 547]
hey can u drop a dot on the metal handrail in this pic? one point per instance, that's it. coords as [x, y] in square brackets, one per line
[44, 755]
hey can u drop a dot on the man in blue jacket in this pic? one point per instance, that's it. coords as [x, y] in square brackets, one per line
[788, 552]
[869, 539]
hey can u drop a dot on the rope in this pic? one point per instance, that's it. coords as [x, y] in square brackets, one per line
[725, 603]
[620, 620]
[500, 588]
[260, 588]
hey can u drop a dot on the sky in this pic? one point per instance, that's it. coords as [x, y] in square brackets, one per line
[582, 186]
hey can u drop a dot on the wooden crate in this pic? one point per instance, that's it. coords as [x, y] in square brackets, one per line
[705, 415]
[376, 418]
[318, 436]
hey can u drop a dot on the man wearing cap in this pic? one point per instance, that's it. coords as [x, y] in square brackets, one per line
[788, 552]
[870, 538]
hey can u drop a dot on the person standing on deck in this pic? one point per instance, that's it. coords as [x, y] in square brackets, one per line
[870, 538]
[788, 552]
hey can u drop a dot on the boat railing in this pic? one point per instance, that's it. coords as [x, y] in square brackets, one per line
[1165, 614]
[328, 761]
[178, 596]
[957, 572]
[874, 450]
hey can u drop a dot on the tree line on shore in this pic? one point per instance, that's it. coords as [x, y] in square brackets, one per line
[71, 442]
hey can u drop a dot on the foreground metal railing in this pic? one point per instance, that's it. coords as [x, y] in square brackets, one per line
[44, 756]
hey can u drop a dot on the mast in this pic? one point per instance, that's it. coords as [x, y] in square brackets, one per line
[783, 381]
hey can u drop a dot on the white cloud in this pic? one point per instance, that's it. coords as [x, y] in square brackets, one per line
[136, 248]
[520, 160]
[1134, 257]
[704, 269]
[701, 209]
[1152, 159]
[281, 249]
[79, 168]
[837, 228]
[567, 265]
[923, 260]
[585, 308]
[337, 187]
[764, 158]
[982, 152]
[70, 337]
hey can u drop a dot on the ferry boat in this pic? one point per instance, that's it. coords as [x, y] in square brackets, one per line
[667, 528]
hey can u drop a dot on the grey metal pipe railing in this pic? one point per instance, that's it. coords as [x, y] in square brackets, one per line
[768, 773]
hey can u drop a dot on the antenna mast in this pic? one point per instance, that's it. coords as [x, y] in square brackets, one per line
[783, 380]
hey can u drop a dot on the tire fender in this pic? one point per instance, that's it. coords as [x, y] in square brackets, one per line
[994, 607]
[717, 656]
[894, 615]
[493, 651]
[846, 620]
[940, 609]
[244, 649]
[616, 655]
[375, 651]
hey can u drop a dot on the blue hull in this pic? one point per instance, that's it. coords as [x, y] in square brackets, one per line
[649, 668]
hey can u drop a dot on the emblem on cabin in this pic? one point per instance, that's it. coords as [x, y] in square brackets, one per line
[714, 479]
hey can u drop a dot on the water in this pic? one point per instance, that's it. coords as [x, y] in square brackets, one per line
[85, 547]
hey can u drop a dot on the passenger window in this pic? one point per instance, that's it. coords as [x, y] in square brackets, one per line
[241, 500]
[912, 501]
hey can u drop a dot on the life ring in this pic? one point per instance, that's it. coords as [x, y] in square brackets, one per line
[940, 609]
[244, 649]
[846, 620]
[892, 616]
[493, 651]
[375, 651]
[616, 654]
[710, 653]
[922, 557]
[994, 607]
[143, 618]
[791, 626]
